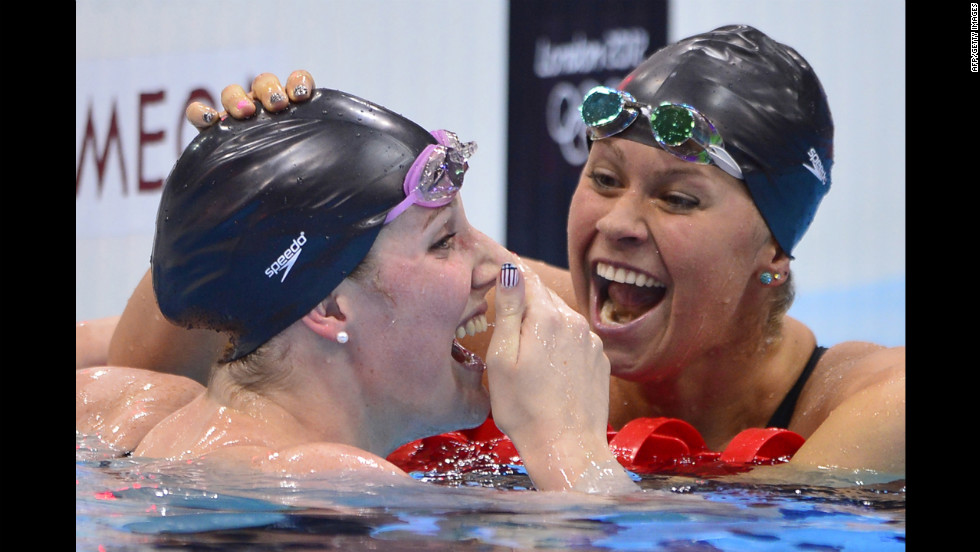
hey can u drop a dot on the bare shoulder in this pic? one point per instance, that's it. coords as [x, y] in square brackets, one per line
[864, 355]
[122, 404]
[852, 366]
[852, 410]
[844, 370]
[307, 459]
[104, 385]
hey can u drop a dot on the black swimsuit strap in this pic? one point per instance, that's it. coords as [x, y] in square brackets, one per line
[784, 413]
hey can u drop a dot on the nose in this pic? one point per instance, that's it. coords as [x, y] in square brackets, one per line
[490, 255]
[624, 222]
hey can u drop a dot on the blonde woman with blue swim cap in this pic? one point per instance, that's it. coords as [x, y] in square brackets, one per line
[328, 248]
[706, 167]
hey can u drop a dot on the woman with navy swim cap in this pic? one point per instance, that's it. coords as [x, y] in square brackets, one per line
[706, 167]
[328, 247]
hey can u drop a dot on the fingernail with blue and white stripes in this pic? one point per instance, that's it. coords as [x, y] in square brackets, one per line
[509, 275]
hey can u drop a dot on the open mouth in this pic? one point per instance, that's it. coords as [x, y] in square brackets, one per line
[625, 295]
[464, 356]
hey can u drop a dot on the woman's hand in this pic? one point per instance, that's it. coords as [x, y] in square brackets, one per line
[240, 104]
[549, 388]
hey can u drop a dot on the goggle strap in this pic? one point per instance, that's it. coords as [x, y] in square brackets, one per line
[724, 160]
[412, 180]
[444, 137]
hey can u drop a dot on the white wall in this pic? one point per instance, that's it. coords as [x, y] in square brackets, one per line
[443, 63]
[405, 55]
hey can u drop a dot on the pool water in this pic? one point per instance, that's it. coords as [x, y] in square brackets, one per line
[139, 504]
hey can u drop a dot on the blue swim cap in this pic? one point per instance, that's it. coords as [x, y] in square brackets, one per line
[261, 219]
[769, 107]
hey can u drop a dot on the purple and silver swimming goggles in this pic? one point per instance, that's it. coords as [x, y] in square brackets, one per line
[436, 175]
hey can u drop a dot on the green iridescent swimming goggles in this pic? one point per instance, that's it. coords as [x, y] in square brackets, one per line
[679, 129]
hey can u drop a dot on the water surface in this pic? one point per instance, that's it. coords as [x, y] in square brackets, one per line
[138, 504]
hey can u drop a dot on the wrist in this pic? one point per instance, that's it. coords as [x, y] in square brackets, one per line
[575, 463]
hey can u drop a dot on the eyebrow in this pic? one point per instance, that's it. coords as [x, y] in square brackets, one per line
[619, 153]
[688, 169]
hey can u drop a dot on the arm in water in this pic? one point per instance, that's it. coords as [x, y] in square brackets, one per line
[549, 388]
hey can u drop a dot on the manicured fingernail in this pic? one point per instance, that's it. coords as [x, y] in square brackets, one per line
[509, 275]
[276, 97]
[300, 91]
[242, 104]
[208, 117]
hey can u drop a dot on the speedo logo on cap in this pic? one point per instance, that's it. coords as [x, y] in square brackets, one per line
[816, 166]
[288, 258]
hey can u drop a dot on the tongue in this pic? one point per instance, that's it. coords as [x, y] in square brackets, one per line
[467, 358]
[631, 301]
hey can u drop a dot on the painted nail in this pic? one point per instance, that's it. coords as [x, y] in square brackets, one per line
[509, 276]
[300, 91]
[242, 104]
[208, 117]
[275, 98]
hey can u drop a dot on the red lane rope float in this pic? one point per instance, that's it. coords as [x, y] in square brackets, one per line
[644, 445]
[762, 446]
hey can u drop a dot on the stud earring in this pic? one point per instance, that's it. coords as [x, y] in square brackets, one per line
[342, 337]
[767, 277]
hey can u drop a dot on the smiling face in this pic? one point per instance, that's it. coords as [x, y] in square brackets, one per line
[432, 271]
[665, 255]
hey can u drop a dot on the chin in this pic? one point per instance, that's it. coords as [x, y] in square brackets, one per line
[466, 406]
[622, 364]
[473, 421]
[476, 410]
[471, 406]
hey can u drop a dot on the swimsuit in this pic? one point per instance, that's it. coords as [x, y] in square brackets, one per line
[785, 411]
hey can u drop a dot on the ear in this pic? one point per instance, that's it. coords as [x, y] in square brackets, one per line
[778, 266]
[327, 319]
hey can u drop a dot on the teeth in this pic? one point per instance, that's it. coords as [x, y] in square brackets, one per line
[473, 326]
[625, 276]
[608, 315]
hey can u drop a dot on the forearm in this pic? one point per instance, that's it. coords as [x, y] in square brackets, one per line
[574, 463]
[549, 390]
[145, 339]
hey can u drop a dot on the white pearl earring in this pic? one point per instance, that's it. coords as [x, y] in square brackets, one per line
[342, 337]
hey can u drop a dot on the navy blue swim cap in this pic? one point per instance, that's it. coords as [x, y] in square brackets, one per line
[769, 108]
[261, 219]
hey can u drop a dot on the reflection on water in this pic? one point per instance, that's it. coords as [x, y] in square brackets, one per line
[134, 504]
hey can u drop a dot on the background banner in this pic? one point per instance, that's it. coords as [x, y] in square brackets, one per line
[558, 52]
[500, 72]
